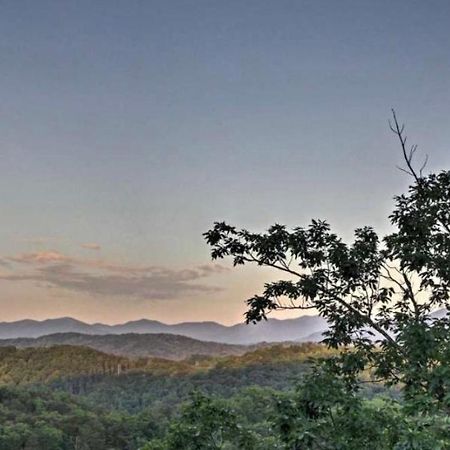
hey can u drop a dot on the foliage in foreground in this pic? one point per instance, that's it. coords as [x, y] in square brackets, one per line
[319, 415]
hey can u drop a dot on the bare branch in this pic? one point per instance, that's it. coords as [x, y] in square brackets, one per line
[408, 156]
[423, 166]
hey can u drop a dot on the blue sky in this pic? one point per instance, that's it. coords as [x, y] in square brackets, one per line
[133, 125]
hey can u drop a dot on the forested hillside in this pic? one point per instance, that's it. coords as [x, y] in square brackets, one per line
[70, 397]
[46, 420]
[21, 366]
[167, 346]
[42, 365]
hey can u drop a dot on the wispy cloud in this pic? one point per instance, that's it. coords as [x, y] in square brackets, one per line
[98, 277]
[40, 240]
[45, 257]
[91, 246]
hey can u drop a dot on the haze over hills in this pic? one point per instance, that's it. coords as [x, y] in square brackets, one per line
[168, 346]
[272, 330]
[300, 329]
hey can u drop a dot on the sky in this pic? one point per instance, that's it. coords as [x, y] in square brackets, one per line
[128, 127]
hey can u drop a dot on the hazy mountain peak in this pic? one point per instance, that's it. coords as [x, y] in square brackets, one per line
[272, 330]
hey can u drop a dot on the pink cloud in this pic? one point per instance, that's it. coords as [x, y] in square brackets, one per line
[44, 257]
[97, 277]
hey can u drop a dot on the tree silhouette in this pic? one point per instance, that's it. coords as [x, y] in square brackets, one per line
[377, 294]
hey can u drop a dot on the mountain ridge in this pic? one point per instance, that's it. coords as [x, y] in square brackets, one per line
[153, 345]
[272, 330]
[305, 328]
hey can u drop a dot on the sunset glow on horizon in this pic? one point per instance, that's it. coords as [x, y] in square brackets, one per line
[128, 128]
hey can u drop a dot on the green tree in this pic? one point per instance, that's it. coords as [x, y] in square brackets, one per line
[44, 437]
[204, 424]
[208, 423]
[377, 294]
[322, 415]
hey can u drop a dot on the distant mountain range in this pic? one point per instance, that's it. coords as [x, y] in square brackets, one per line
[167, 346]
[304, 328]
[300, 329]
